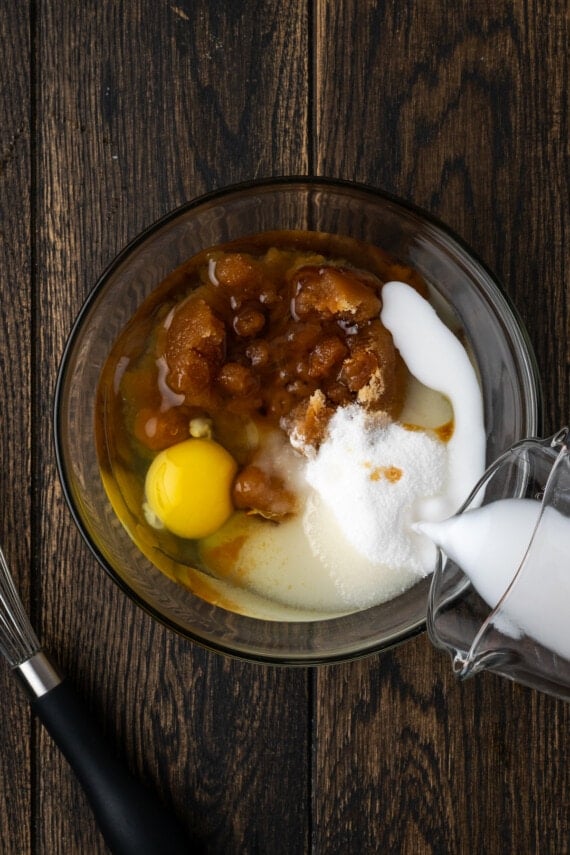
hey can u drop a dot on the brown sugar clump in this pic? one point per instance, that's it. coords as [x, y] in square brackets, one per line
[263, 493]
[322, 293]
[237, 380]
[248, 322]
[358, 368]
[195, 347]
[375, 370]
[157, 430]
[307, 423]
[239, 275]
[327, 355]
[238, 386]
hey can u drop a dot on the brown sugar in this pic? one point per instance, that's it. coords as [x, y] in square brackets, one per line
[195, 344]
[328, 292]
[278, 331]
[263, 493]
[307, 423]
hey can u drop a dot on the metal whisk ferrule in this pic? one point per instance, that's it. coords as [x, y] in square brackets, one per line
[19, 643]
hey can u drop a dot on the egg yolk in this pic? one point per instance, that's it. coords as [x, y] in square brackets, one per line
[188, 487]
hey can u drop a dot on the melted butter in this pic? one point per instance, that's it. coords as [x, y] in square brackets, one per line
[207, 590]
[445, 432]
[222, 556]
[390, 473]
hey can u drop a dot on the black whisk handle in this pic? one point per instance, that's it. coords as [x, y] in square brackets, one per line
[132, 821]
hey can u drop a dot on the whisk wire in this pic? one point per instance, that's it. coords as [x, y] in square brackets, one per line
[18, 641]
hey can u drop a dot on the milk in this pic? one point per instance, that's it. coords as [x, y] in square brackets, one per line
[436, 357]
[489, 544]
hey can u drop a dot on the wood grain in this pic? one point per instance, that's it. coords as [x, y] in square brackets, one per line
[141, 107]
[407, 760]
[16, 797]
[113, 114]
[462, 108]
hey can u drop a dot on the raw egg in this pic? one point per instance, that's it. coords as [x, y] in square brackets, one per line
[188, 487]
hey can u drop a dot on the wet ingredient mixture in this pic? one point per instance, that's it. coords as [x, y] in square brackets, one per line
[219, 414]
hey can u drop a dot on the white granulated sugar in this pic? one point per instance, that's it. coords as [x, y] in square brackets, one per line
[372, 477]
[359, 583]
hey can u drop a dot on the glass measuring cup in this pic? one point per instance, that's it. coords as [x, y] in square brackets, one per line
[500, 594]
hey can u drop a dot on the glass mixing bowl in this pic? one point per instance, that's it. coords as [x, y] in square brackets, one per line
[491, 328]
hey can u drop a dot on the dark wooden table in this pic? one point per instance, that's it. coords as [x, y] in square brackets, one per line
[113, 113]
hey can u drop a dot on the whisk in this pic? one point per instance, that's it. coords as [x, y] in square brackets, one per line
[131, 820]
